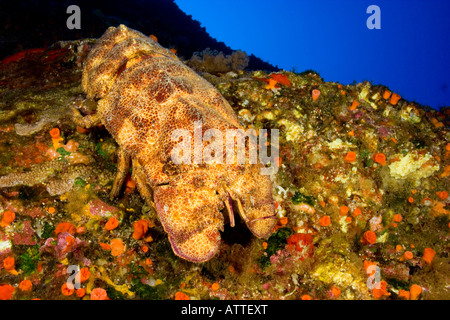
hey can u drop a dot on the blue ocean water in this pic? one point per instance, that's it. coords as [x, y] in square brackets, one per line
[409, 54]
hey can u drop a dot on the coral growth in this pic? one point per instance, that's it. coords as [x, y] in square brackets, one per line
[36, 175]
[215, 62]
[361, 197]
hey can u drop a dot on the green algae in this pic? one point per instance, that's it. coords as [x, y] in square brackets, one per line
[144, 291]
[298, 198]
[28, 261]
[48, 230]
[113, 294]
[276, 241]
[63, 153]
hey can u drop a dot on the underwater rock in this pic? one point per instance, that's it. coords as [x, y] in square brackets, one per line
[413, 165]
[48, 116]
[65, 182]
[363, 178]
[36, 175]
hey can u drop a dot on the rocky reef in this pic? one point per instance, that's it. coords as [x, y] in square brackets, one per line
[361, 193]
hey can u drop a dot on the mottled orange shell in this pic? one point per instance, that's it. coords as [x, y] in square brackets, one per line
[145, 93]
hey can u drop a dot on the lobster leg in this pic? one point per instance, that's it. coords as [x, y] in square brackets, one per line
[139, 178]
[229, 206]
[123, 165]
[87, 121]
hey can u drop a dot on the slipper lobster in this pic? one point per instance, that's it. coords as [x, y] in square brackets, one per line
[144, 94]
